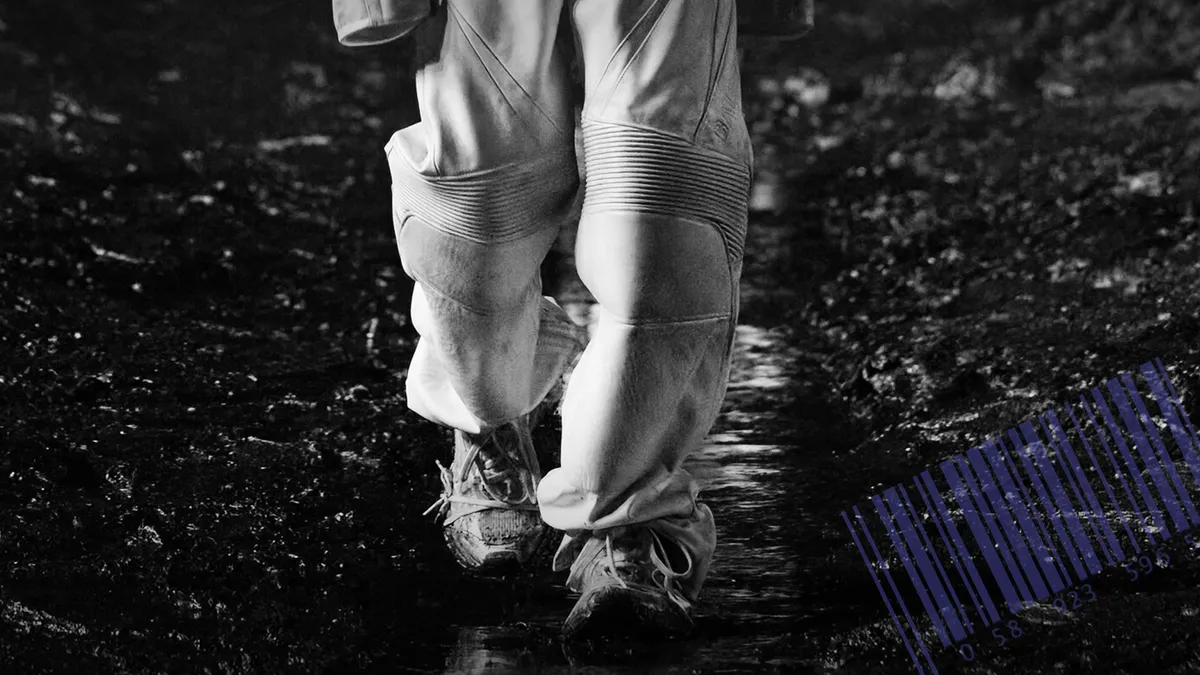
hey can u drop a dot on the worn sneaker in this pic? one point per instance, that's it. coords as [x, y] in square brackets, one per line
[489, 498]
[632, 583]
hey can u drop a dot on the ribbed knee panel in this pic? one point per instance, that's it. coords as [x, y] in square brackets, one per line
[632, 169]
[487, 207]
[479, 238]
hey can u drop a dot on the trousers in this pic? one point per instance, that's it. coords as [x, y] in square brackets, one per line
[483, 183]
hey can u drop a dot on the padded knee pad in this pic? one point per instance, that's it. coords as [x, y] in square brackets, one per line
[480, 238]
[663, 225]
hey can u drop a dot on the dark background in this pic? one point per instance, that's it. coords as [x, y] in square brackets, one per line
[967, 211]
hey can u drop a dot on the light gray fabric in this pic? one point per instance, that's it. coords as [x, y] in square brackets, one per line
[360, 23]
[485, 180]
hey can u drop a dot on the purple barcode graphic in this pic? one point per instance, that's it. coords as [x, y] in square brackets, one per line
[1032, 513]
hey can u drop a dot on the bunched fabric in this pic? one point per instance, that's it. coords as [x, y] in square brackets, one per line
[481, 187]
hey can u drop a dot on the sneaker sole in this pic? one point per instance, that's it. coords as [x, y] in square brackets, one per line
[492, 563]
[614, 611]
[516, 547]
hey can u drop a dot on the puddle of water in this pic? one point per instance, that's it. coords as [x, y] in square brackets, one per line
[752, 603]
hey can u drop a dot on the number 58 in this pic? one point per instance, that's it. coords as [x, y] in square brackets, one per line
[1014, 632]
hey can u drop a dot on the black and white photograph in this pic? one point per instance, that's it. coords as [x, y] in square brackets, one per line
[599, 337]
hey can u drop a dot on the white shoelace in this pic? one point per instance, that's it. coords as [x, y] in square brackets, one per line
[453, 482]
[664, 576]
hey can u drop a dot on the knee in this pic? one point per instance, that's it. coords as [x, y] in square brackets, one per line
[651, 267]
[663, 225]
[484, 278]
[480, 239]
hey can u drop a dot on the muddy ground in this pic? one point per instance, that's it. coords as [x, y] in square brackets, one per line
[965, 214]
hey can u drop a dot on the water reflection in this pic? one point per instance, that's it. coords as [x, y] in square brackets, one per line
[500, 650]
[751, 607]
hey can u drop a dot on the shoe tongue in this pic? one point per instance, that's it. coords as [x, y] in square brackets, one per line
[494, 468]
[632, 545]
[585, 552]
[494, 463]
[496, 448]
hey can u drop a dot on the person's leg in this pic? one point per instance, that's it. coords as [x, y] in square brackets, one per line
[480, 187]
[667, 166]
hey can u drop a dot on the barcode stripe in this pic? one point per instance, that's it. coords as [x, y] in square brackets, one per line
[964, 494]
[1167, 406]
[1036, 515]
[974, 483]
[892, 584]
[1155, 516]
[914, 576]
[1045, 559]
[1120, 474]
[980, 590]
[1065, 507]
[954, 561]
[1134, 428]
[927, 545]
[1006, 488]
[1047, 504]
[1120, 551]
[1160, 449]
[1016, 543]
[1178, 403]
[1081, 517]
[883, 594]
[921, 556]
[1079, 483]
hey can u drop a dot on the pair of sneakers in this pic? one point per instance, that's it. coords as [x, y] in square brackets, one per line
[631, 580]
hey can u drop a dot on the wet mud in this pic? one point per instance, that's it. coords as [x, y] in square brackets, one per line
[206, 463]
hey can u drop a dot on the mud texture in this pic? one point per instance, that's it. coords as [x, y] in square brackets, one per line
[965, 213]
